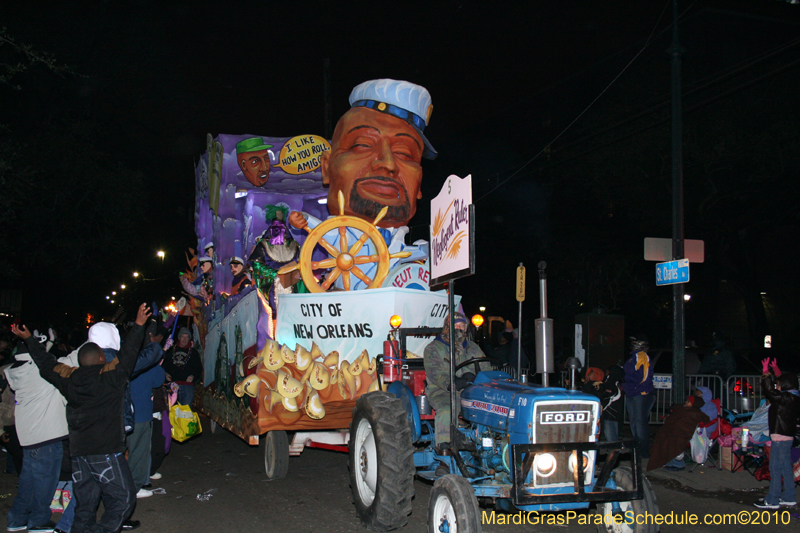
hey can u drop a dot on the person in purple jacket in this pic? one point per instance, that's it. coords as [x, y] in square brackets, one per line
[639, 397]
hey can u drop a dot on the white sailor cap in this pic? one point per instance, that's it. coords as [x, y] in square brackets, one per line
[400, 99]
[236, 259]
[204, 259]
[209, 245]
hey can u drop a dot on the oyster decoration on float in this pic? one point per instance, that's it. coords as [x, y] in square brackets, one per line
[290, 383]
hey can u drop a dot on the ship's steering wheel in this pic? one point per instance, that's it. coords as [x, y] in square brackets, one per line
[344, 261]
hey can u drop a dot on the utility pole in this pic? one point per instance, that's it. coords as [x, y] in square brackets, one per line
[678, 367]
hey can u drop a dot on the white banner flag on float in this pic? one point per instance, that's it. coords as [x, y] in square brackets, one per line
[352, 321]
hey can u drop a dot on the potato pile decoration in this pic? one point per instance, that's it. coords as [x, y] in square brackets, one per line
[293, 382]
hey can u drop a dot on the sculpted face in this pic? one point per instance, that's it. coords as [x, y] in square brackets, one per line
[236, 268]
[375, 162]
[255, 166]
[205, 267]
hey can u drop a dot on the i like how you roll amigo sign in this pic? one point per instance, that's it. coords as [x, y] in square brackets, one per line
[452, 251]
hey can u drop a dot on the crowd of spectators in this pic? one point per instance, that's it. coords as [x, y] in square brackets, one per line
[77, 404]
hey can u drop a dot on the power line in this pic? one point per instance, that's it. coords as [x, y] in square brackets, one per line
[613, 81]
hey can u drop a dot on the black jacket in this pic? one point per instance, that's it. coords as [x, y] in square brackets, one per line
[611, 394]
[95, 396]
[784, 409]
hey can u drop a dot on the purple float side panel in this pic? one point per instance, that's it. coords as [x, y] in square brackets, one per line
[293, 178]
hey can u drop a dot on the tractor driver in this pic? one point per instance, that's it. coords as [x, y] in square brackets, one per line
[437, 368]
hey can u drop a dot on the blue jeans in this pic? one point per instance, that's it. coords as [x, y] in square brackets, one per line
[107, 477]
[186, 395]
[611, 430]
[68, 516]
[37, 484]
[638, 408]
[780, 466]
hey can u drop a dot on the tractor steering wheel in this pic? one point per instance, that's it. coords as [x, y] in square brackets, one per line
[476, 361]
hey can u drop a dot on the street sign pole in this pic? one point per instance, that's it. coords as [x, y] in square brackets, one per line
[520, 299]
[678, 369]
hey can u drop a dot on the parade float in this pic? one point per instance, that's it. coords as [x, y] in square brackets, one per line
[293, 350]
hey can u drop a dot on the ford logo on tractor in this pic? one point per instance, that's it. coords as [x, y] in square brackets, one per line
[579, 417]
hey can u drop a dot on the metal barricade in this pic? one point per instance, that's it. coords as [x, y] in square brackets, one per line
[744, 394]
[508, 369]
[664, 398]
[712, 381]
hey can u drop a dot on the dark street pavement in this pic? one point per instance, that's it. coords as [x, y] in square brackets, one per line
[315, 496]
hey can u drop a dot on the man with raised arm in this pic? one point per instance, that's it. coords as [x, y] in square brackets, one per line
[95, 392]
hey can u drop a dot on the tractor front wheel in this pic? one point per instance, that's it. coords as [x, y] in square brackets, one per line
[381, 462]
[625, 521]
[453, 506]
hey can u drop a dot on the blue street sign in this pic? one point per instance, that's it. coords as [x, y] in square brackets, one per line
[672, 272]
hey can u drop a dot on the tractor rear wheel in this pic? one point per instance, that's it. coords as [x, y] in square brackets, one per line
[381, 462]
[622, 522]
[453, 506]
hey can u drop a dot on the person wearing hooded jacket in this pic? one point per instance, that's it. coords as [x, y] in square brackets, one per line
[639, 397]
[437, 368]
[41, 423]
[95, 394]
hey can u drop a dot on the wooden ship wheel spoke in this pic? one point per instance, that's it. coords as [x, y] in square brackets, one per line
[344, 261]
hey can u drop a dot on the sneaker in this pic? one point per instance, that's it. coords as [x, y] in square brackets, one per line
[47, 527]
[763, 504]
[155, 476]
[129, 525]
[16, 528]
[55, 505]
[144, 493]
[787, 504]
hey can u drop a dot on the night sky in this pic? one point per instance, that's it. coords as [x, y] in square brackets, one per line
[149, 80]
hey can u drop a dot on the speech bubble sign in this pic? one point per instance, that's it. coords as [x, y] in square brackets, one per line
[301, 154]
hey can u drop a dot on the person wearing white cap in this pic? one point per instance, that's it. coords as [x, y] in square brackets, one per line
[375, 161]
[376, 151]
[240, 277]
[202, 287]
[209, 249]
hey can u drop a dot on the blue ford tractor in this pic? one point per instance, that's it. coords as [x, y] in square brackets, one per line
[522, 447]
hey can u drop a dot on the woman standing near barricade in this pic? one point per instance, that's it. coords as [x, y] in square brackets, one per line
[639, 396]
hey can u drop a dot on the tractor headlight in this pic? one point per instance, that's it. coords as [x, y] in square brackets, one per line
[544, 464]
[572, 461]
